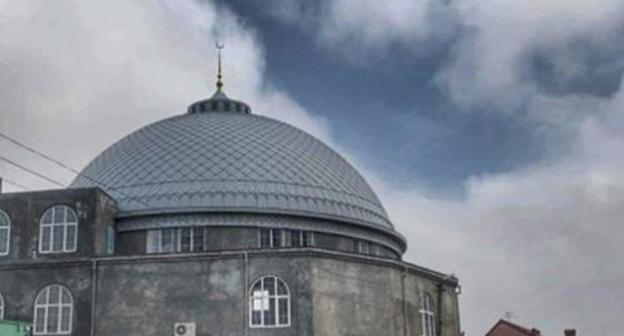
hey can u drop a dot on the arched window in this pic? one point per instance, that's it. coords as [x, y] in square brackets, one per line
[5, 233]
[59, 230]
[427, 315]
[269, 303]
[1, 307]
[54, 310]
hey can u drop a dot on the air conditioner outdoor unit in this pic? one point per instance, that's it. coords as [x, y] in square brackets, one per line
[184, 329]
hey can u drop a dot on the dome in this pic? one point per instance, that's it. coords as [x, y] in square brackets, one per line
[223, 159]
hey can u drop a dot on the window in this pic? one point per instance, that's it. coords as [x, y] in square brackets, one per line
[1, 307]
[54, 309]
[363, 247]
[5, 233]
[300, 238]
[269, 303]
[270, 238]
[186, 239]
[59, 230]
[427, 315]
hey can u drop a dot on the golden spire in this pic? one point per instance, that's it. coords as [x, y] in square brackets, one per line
[219, 46]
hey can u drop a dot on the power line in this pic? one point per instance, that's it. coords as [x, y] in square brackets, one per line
[4, 179]
[64, 166]
[41, 176]
[38, 153]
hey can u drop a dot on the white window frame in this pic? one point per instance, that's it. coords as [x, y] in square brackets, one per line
[59, 305]
[267, 297]
[1, 307]
[427, 315]
[283, 233]
[154, 240]
[304, 235]
[65, 224]
[5, 216]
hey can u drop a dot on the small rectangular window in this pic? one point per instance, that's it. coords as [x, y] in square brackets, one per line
[186, 239]
[70, 243]
[153, 241]
[307, 239]
[276, 237]
[167, 240]
[110, 240]
[364, 247]
[265, 238]
[199, 238]
[226, 106]
[295, 238]
[4, 240]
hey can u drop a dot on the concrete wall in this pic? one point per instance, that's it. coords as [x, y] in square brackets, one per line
[367, 298]
[20, 285]
[333, 290]
[147, 297]
[331, 293]
[95, 212]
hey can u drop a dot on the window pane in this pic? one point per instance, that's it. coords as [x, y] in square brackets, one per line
[269, 315]
[59, 214]
[306, 238]
[70, 243]
[295, 238]
[277, 237]
[57, 238]
[45, 238]
[198, 238]
[47, 217]
[153, 241]
[71, 216]
[39, 320]
[257, 286]
[53, 319]
[256, 318]
[42, 298]
[269, 285]
[4, 240]
[55, 295]
[167, 240]
[65, 319]
[281, 288]
[4, 219]
[66, 298]
[283, 311]
[265, 238]
[185, 239]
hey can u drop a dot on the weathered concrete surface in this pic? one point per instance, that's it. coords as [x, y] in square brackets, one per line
[95, 212]
[334, 291]
[364, 298]
[20, 286]
[146, 297]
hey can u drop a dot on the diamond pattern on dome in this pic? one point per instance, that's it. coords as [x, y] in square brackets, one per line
[214, 162]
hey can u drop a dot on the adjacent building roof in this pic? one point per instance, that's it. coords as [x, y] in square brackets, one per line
[506, 328]
[221, 158]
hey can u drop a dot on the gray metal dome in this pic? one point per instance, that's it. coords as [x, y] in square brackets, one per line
[218, 161]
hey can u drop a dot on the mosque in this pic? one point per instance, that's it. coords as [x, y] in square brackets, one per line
[217, 221]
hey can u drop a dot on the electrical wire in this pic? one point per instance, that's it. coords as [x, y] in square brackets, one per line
[16, 184]
[39, 175]
[67, 167]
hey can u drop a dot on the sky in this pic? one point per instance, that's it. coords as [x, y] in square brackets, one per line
[492, 131]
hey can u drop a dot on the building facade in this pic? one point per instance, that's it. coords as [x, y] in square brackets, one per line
[215, 222]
